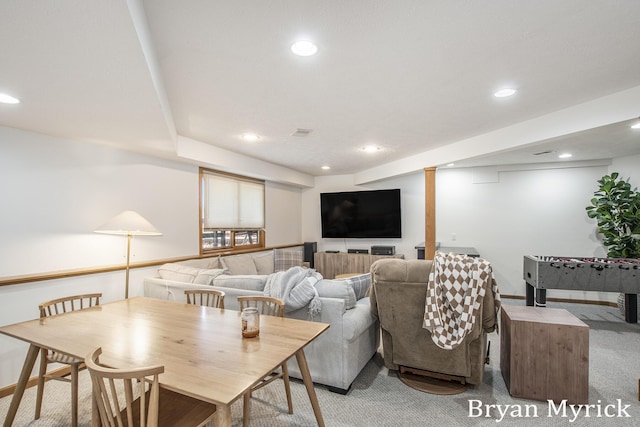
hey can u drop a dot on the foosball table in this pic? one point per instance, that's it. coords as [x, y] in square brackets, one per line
[583, 274]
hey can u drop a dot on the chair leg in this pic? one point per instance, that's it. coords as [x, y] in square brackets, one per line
[74, 395]
[246, 408]
[287, 388]
[41, 373]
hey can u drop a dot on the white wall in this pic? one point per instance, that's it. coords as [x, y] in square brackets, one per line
[527, 212]
[628, 168]
[55, 192]
[283, 214]
[412, 205]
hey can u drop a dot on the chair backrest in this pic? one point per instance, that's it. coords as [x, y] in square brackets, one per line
[113, 391]
[269, 306]
[208, 298]
[69, 303]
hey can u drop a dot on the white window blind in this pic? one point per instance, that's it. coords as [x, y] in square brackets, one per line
[232, 202]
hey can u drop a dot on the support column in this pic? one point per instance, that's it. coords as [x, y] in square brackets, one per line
[429, 212]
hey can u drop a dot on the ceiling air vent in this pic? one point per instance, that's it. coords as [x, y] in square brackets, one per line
[301, 132]
[543, 152]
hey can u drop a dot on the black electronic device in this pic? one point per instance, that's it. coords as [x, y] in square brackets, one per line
[358, 251]
[373, 214]
[383, 250]
[310, 248]
[332, 252]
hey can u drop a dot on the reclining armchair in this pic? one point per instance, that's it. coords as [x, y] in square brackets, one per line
[398, 294]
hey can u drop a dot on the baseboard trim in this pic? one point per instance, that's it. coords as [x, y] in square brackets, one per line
[568, 300]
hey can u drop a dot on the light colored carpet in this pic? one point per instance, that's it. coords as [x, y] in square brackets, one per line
[379, 398]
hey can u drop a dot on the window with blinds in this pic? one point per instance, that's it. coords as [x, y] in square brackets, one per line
[232, 211]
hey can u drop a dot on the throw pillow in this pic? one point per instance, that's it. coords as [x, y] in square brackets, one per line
[215, 263]
[178, 272]
[337, 289]
[284, 259]
[264, 263]
[360, 285]
[205, 277]
[239, 264]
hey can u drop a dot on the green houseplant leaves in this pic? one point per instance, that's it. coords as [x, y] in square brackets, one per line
[616, 207]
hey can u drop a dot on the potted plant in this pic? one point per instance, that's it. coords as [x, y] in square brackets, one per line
[616, 208]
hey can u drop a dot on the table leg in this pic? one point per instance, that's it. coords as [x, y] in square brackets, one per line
[306, 378]
[21, 385]
[631, 308]
[222, 417]
[541, 297]
[529, 292]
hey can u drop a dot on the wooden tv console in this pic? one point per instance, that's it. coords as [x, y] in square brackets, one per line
[331, 264]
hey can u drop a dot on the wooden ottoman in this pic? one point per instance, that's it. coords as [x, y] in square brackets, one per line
[544, 354]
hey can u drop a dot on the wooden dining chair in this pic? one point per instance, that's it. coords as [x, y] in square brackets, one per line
[205, 297]
[53, 308]
[133, 397]
[268, 306]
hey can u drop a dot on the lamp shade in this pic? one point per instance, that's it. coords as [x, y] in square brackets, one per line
[128, 223]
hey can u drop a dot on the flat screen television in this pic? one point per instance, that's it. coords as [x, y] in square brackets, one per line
[373, 214]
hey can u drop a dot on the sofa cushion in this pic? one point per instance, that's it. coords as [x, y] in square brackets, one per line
[360, 284]
[178, 272]
[215, 263]
[357, 320]
[264, 263]
[206, 276]
[251, 282]
[239, 264]
[337, 289]
[284, 259]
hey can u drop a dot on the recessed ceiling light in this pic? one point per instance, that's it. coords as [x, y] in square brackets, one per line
[565, 155]
[8, 99]
[250, 137]
[503, 93]
[326, 168]
[371, 149]
[304, 48]
[636, 126]
[451, 164]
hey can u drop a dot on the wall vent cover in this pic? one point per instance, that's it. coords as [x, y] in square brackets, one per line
[541, 153]
[301, 132]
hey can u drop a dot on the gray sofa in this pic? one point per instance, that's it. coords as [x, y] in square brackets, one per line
[337, 356]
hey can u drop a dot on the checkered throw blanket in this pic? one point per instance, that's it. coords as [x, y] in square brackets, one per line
[457, 285]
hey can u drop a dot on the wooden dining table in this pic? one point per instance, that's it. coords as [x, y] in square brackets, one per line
[201, 348]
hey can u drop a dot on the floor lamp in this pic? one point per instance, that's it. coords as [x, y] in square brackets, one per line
[128, 223]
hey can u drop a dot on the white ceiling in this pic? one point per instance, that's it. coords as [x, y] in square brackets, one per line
[408, 76]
